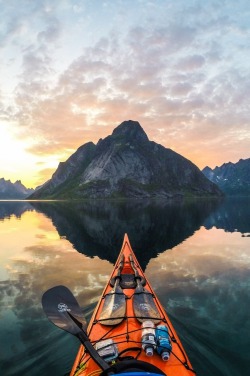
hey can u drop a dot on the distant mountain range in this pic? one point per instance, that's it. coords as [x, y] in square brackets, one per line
[11, 191]
[126, 165]
[232, 178]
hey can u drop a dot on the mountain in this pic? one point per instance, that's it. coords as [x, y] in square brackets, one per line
[232, 178]
[126, 165]
[13, 191]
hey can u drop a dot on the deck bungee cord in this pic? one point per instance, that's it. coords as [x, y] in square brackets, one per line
[129, 333]
[109, 335]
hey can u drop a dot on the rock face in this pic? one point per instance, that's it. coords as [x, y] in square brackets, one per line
[126, 165]
[11, 191]
[232, 178]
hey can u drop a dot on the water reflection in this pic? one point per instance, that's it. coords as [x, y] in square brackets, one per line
[34, 258]
[14, 208]
[205, 283]
[97, 228]
[200, 272]
[233, 214]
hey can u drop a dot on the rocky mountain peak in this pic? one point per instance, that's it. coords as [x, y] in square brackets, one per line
[130, 130]
[17, 190]
[232, 178]
[126, 164]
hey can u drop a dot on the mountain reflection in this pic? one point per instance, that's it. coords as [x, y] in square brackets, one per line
[97, 228]
[232, 215]
[16, 208]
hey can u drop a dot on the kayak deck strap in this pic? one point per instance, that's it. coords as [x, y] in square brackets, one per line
[128, 339]
[121, 359]
[125, 317]
[144, 292]
[115, 293]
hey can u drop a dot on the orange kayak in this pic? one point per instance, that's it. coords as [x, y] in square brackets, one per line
[130, 329]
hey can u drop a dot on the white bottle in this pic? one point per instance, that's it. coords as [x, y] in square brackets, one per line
[148, 337]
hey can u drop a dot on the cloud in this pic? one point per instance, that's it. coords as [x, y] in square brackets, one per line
[191, 63]
[181, 89]
[51, 33]
[185, 76]
[43, 175]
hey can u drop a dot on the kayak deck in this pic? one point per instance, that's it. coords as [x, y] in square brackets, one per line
[125, 304]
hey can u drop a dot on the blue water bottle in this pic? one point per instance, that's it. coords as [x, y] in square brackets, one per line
[163, 341]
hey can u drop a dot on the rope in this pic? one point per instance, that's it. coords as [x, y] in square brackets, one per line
[128, 332]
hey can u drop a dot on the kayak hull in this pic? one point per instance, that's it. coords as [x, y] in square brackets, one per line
[135, 298]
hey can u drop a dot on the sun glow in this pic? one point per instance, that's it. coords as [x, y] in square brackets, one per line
[15, 162]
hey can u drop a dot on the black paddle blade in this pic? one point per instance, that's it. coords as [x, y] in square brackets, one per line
[114, 306]
[62, 309]
[144, 305]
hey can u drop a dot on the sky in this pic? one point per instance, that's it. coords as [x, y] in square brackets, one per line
[73, 70]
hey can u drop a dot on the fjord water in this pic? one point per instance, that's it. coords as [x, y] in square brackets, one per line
[196, 256]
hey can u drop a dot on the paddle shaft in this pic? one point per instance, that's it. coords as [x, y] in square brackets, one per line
[63, 310]
[139, 280]
[118, 274]
[133, 267]
[91, 350]
[121, 264]
[84, 339]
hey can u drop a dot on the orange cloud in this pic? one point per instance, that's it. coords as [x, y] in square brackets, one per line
[180, 81]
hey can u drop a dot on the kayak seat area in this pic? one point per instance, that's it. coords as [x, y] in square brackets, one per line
[128, 281]
[133, 368]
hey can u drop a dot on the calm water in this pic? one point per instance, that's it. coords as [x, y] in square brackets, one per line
[196, 256]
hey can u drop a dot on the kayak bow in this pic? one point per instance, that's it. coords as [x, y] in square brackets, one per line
[122, 340]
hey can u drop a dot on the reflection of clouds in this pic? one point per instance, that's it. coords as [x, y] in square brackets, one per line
[206, 275]
[40, 236]
[204, 284]
[50, 265]
[40, 260]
